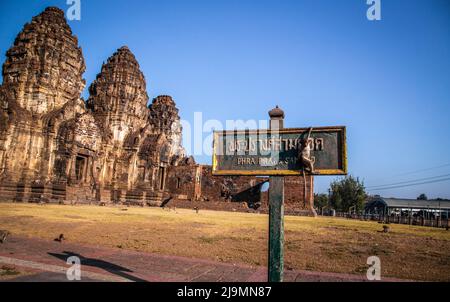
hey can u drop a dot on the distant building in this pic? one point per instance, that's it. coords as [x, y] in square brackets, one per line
[405, 207]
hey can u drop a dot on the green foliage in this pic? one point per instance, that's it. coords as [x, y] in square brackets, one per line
[347, 193]
[422, 197]
[320, 201]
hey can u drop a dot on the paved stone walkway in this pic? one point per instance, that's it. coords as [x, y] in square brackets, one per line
[46, 261]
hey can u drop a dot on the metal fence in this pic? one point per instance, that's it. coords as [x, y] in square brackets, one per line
[437, 222]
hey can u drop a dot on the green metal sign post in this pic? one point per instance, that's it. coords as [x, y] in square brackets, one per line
[279, 152]
[276, 210]
[276, 229]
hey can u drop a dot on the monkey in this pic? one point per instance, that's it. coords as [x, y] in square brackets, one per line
[305, 153]
[60, 239]
[3, 236]
[304, 157]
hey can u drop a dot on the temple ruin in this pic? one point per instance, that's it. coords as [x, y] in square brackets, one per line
[113, 148]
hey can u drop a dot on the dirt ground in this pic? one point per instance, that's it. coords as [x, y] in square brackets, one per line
[322, 244]
[8, 272]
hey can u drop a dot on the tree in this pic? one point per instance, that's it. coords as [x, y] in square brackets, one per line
[422, 197]
[347, 193]
[320, 201]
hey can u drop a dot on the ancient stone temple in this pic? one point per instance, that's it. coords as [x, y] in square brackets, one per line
[54, 146]
[112, 148]
[42, 82]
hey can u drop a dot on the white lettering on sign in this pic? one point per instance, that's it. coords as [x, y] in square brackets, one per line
[250, 145]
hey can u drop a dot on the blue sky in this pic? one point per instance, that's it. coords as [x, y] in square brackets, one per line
[322, 61]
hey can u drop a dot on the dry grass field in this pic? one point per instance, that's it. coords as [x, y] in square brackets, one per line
[8, 272]
[322, 244]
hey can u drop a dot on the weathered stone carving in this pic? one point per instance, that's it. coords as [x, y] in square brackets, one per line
[165, 119]
[42, 76]
[44, 67]
[118, 97]
[52, 143]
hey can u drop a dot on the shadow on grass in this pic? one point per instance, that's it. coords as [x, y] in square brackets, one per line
[107, 266]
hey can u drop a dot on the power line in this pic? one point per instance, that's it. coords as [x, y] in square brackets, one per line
[418, 171]
[423, 170]
[412, 185]
[409, 181]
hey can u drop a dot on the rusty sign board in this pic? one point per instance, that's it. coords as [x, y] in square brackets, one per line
[278, 153]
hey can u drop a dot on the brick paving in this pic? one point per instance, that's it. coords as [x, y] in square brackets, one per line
[46, 261]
